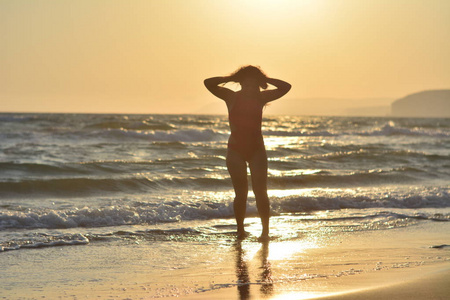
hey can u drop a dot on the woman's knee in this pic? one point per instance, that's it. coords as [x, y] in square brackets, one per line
[263, 199]
[240, 200]
[260, 191]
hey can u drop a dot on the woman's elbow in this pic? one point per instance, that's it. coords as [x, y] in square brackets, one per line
[208, 83]
[287, 88]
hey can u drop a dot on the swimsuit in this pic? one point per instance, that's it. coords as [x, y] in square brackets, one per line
[245, 119]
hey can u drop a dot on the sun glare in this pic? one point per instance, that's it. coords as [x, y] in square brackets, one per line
[271, 6]
[272, 13]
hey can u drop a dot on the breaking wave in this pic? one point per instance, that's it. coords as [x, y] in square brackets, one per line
[174, 211]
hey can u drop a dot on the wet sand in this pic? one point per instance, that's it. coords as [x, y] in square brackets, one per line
[431, 282]
[381, 264]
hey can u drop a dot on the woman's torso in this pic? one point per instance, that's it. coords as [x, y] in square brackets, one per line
[245, 117]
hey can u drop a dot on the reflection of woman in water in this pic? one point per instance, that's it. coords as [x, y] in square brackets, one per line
[246, 144]
[243, 276]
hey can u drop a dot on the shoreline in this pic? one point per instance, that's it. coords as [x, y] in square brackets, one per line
[397, 263]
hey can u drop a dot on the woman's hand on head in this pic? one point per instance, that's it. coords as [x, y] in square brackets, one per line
[282, 88]
[212, 84]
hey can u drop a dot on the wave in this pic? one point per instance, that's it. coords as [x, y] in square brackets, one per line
[140, 212]
[378, 155]
[73, 187]
[25, 170]
[170, 132]
[44, 240]
[192, 129]
[38, 169]
[181, 135]
[138, 184]
[135, 125]
[357, 178]
[325, 199]
[10, 118]
[198, 135]
[388, 129]
[309, 203]
[289, 133]
[170, 211]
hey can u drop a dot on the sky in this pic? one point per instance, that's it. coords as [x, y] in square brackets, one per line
[151, 56]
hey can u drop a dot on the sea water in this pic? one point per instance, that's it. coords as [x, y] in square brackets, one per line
[75, 179]
[143, 204]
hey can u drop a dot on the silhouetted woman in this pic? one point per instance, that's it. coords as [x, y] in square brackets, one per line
[246, 143]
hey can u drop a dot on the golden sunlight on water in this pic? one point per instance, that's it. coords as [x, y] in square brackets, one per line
[302, 192]
[299, 296]
[285, 250]
[279, 250]
[293, 172]
[273, 143]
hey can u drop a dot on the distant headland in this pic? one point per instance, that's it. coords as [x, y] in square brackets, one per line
[429, 104]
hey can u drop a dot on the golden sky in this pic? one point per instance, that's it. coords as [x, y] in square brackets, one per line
[144, 56]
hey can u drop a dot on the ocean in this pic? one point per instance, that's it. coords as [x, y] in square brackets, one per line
[159, 183]
[95, 175]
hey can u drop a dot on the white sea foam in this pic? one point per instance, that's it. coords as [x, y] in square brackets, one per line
[175, 211]
[113, 215]
[44, 240]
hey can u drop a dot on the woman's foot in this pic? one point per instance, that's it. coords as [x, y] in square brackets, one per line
[241, 235]
[264, 237]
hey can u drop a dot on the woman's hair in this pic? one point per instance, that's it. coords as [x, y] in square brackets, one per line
[250, 71]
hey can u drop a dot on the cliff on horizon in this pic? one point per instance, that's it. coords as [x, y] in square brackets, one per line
[428, 104]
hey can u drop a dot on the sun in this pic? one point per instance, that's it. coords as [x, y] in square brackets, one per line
[274, 14]
[271, 7]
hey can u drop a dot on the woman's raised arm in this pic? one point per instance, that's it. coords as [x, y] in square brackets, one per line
[212, 84]
[282, 87]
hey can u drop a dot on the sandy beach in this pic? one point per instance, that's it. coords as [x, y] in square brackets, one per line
[398, 264]
[424, 283]
[431, 282]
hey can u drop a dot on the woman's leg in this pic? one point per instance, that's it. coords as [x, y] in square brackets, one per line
[258, 169]
[237, 167]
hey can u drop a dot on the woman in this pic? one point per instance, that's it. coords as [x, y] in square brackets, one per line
[246, 144]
